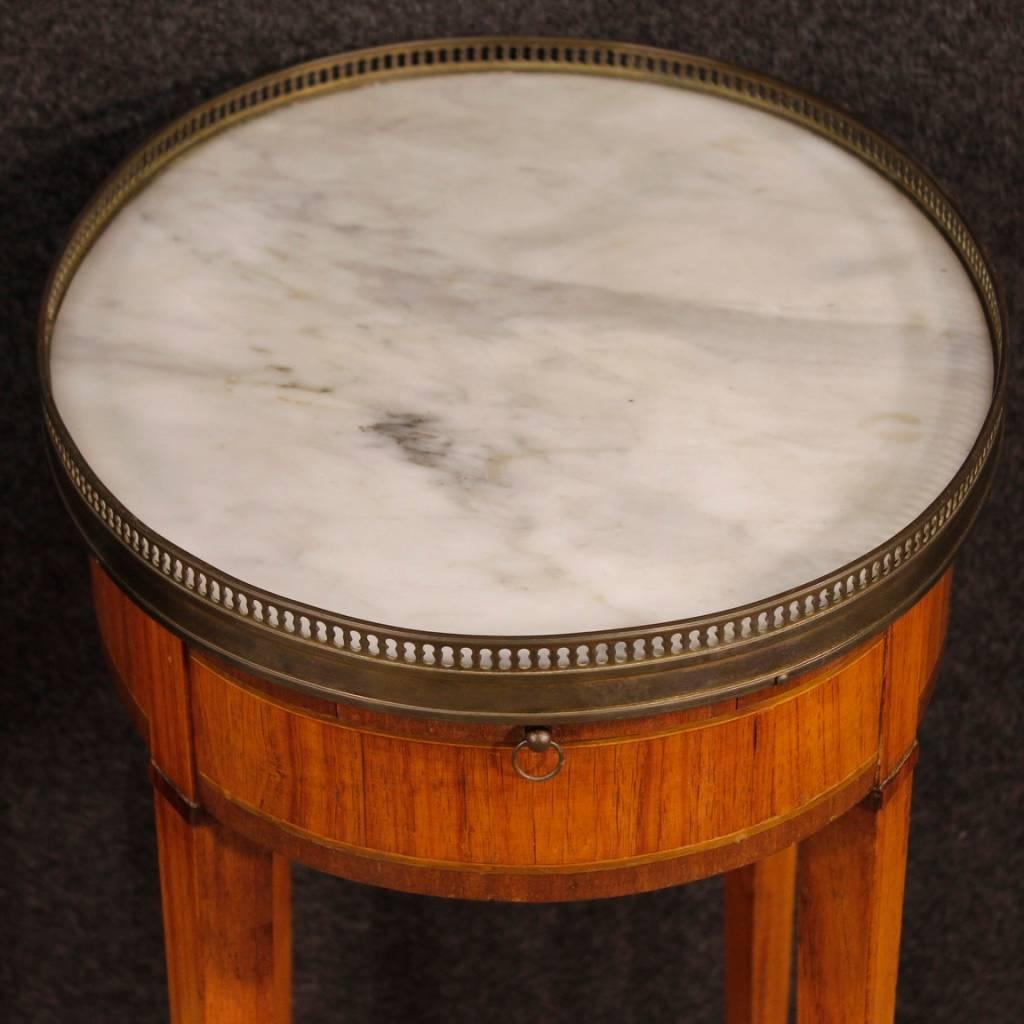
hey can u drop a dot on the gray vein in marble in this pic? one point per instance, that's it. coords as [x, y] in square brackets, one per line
[510, 353]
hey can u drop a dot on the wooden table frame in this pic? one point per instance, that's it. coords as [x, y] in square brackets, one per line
[800, 793]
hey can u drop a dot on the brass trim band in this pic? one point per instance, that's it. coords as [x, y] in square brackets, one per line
[583, 676]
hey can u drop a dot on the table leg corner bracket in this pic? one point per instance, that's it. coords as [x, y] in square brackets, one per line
[188, 810]
[884, 790]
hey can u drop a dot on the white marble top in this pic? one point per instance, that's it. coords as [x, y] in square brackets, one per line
[522, 353]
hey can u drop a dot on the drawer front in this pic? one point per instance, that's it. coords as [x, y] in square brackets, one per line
[655, 793]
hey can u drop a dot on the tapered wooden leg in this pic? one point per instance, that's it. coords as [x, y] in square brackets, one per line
[227, 923]
[759, 939]
[850, 907]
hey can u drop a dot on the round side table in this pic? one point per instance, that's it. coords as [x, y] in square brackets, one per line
[526, 487]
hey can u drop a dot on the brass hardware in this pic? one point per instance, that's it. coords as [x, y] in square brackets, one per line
[539, 740]
[637, 670]
[885, 788]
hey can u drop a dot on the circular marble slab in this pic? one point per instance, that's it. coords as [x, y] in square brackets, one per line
[522, 354]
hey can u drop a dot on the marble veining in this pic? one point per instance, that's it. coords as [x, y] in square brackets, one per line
[522, 353]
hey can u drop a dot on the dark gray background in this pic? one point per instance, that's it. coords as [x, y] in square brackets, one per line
[82, 83]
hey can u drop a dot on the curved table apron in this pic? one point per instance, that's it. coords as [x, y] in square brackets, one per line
[528, 487]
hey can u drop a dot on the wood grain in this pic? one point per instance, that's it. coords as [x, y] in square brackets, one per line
[260, 775]
[850, 904]
[152, 665]
[227, 927]
[913, 647]
[486, 732]
[759, 914]
[460, 803]
[649, 801]
[851, 874]
[547, 885]
[117, 619]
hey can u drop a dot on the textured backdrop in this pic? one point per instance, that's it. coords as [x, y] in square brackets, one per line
[82, 83]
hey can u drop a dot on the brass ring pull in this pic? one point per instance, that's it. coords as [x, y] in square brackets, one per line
[539, 740]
